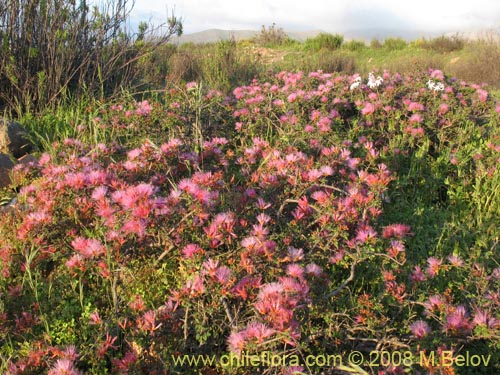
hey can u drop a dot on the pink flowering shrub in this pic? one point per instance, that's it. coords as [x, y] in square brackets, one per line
[298, 216]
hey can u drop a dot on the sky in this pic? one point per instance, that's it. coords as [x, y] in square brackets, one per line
[326, 15]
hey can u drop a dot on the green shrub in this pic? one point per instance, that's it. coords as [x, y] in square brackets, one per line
[355, 45]
[393, 44]
[324, 41]
[324, 60]
[480, 64]
[444, 44]
[272, 36]
[375, 43]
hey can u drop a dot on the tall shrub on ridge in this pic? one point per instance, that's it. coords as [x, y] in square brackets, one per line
[49, 48]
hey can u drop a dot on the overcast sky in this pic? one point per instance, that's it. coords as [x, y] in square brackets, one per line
[327, 15]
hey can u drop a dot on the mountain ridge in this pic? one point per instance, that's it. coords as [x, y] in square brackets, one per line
[216, 35]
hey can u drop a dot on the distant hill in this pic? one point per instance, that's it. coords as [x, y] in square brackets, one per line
[216, 35]
[381, 34]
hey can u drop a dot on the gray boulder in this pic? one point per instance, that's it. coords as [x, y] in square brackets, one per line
[13, 139]
[6, 165]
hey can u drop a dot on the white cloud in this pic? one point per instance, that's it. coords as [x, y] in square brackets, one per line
[332, 16]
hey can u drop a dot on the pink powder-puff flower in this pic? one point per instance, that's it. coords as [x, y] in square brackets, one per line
[295, 270]
[483, 95]
[135, 226]
[223, 275]
[293, 370]
[414, 107]
[88, 247]
[365, 234]
[420, 329]
[435, 302]
[415, 118]
[191, 250]
[191, 85]
[437, 74]
[70, 353]
[455, 260]
[433, 266]
[457, 320]
[258, 331]
[484, 318]
[443, 108]
[99, 193]
[63, 367]
[294, 254]
[210, 267]
[368, 109]
[236, 342]
[417, 275]
[396, 231]
[75, 261]
[95, 319]
[314, 270]
[143, 108]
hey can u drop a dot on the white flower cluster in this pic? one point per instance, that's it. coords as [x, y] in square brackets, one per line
[435, 86]
[374, 82]
[356, 83]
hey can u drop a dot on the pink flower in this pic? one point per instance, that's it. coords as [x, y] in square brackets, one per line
[417, 275]
[134, 154]
[437, 74]
[63, 367]
[76, 261]
[195, 287]
[294, 254]
[435, 301]
[95, 318]
[396, 231]
[455, 261]
[137, 227]
[147, 322]
[295, 270]
[88, 247]
[443, 108]
[484, 318]
[368, 109]
[258, 331]
[124, 364]
[191, 250]
[99, 193]
[420, 329]
[314, 269]
[70, 353]
[414, 106]
[433, 266]
[395, 248]
[210, 267]
[236, 342]
[223, 274]
[458, 321]
[293, 370]
[365, 234]
[483, 95]
[415, 118]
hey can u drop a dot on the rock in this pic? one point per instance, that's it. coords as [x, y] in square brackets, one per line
[28, 159]
[13, 139]
[6, 166]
